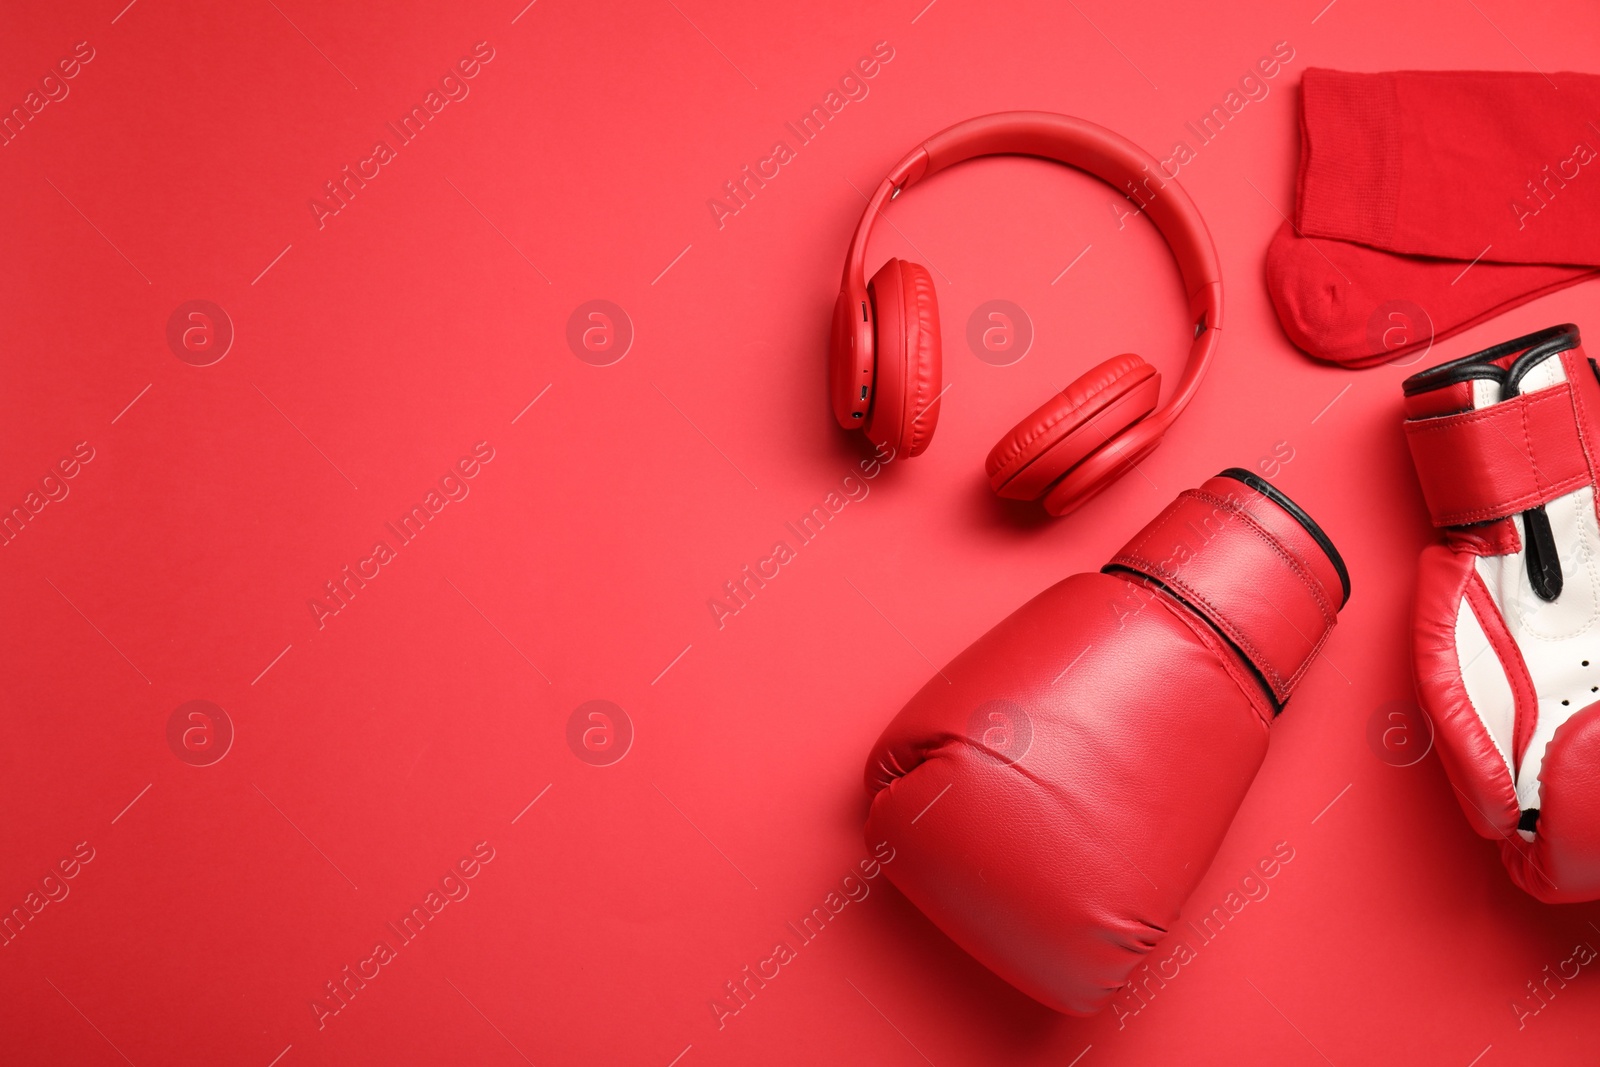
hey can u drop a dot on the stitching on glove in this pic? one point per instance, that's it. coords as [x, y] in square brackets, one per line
[1560, 394]
[1514, 505]
[1136, 559]
[1446, 423]
[1298, 567]
[1527, 447]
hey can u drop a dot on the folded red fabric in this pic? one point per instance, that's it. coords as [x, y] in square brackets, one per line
[1429, 201]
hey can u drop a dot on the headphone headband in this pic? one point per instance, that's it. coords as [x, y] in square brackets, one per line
[1098, 151]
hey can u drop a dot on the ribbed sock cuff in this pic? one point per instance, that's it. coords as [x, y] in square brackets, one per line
[1349, 156]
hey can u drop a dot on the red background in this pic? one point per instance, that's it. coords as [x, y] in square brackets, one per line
[374, 753]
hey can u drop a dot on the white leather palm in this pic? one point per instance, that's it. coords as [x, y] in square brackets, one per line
[1559, 640]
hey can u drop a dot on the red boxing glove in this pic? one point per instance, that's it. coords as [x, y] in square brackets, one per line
[1057, 791]
[1507, 628]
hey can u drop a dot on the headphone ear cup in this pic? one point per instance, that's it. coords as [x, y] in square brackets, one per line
[909, 362]
[1104, 466]
[849, 361]
[1068, 430]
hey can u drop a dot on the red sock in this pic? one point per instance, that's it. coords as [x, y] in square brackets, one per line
[1346, 303]
[1444, 197]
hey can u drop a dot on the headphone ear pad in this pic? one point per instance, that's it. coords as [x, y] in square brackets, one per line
[907, 356]
[1066, 431]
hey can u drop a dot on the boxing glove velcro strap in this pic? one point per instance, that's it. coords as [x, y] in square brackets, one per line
[1262, 581]
[1481, 465]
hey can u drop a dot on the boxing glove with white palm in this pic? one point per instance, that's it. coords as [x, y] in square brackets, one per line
[1506, 634]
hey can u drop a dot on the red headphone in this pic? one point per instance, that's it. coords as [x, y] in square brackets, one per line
[884, 358]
